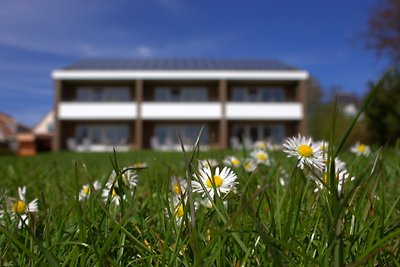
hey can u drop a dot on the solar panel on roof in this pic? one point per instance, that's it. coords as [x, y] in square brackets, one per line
[179, 64]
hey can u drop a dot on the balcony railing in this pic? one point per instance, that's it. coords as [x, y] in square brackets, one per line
[264, 111]
[97, 111]
[181, 111]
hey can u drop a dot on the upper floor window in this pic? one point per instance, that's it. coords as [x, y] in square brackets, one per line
[257, 94]
[181, 94]
[103, 94]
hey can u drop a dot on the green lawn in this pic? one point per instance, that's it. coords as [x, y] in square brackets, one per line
[274, 217]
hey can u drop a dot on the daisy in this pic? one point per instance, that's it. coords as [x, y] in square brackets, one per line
[223, 181]
[128, 177]
[260, 157]
[178, 186]
[178, 208]
[86, 190]
[260, 145]
[208, 163]
[306, 153]
[360, 149]
[113, 193]
[249, 165]
[341, 175]
[20, 209]
[112, 187]
[232, 161]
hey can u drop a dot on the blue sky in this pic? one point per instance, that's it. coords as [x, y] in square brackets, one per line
[37, 37]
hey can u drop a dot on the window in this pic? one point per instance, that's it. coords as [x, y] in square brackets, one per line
[180, 94]
[103, 94]
[167, 134]
[274, 133]
[102, 134]
[257, 94]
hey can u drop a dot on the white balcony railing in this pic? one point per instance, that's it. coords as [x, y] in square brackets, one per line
[97, 111]
[264, 111]
[181, 111]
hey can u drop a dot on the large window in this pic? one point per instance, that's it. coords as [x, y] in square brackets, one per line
[257, 94]
[274, 133]
[181, 94]
[102, 134]
[167, 134]
[103, 94]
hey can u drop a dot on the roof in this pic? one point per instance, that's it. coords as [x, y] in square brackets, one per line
[179, 64]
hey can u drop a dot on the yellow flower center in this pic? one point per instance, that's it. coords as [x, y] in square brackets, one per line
[261, 145]
[19, 207]
[114, 193]
[305, 151]
[179, 211]
[361, 148]
[325, 178]
[217, 180]
[86, 190]
[177, 189]
[235, 161]
[262, 156]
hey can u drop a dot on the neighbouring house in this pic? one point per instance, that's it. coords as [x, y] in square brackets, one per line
[15, 138]
[126, 104]
[44, 131]
[8, 131]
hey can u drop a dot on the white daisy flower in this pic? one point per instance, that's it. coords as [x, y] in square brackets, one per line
[306, 153]
[262, 145]
[86, 190]
[178, 186]
[260, 157]
[204, 163]
[209, 204]
[113, 192]
[112, 187]
[360, 149]
[232, 161]
[128, 177]
[249, 165]
[20, 210]
[341, 175]
[223, 181]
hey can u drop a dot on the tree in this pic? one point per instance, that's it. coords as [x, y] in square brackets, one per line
[383, 112]
[383, 34]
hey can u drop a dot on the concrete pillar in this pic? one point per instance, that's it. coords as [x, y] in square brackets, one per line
[223, 123]
[302, 98]
[56, 142]
[138, 121]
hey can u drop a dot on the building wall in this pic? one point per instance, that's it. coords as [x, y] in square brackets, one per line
[144, 115]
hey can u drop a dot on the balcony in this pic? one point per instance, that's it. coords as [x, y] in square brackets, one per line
[264, 111]
[181, 111]
[97, 111]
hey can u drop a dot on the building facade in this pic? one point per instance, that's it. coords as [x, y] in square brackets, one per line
[159, 103]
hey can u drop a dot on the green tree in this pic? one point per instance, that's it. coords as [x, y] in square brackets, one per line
[383, 112]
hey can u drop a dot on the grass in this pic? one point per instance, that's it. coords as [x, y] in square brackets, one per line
[266, 222]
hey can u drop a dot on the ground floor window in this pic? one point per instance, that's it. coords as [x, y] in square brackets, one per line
[274, 133]
[102, 134]
[167, 133]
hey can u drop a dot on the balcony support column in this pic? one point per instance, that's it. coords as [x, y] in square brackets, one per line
[223, 123]
[56, 142]
[301, 97]
[138, 121]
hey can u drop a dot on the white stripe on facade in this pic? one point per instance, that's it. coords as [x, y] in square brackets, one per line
[264, 111]
[97, 111]
[294, 75]
[181, 111]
